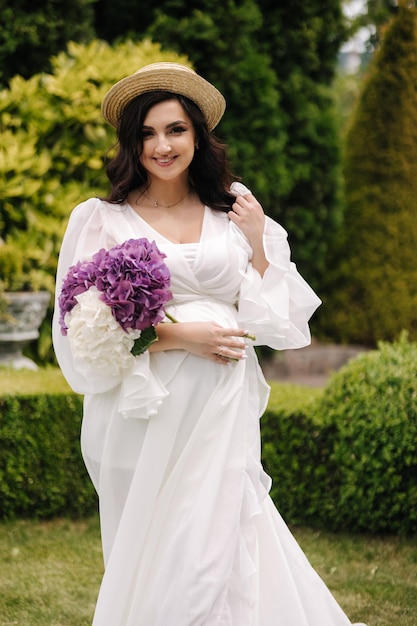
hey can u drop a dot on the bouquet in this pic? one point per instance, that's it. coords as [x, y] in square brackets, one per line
[110, 305]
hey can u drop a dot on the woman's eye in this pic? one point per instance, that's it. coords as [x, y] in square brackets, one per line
[178, 129]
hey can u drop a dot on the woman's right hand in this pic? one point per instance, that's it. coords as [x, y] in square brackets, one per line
[208, 340]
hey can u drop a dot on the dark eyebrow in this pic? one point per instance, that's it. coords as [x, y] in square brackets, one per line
[183, 122]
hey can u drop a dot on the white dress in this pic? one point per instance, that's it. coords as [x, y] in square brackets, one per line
[190, 535]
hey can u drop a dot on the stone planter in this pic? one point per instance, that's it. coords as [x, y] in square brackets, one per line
[20, 325]
[311, 365]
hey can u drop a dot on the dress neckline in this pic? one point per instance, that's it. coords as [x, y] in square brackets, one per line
[174, 243]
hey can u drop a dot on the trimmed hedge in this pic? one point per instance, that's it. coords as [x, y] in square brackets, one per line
[296, 453]
[41, 469]
[296, 449]
[342, 457]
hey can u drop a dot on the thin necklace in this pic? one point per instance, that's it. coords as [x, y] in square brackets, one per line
[159, 204]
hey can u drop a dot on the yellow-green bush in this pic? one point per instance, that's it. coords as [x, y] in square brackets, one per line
[53, 145]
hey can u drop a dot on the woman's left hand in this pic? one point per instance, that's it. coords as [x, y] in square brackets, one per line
[249, 216]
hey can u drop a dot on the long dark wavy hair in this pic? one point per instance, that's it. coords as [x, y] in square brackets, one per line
[209, 171]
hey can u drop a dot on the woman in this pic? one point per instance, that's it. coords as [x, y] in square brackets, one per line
[190, 535]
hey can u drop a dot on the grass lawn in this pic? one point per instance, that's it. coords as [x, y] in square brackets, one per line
[16, 382]
[50, 573]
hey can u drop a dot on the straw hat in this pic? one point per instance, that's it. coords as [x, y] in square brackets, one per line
[172, 77]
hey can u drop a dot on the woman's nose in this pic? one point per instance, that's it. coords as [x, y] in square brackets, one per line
[164, 146]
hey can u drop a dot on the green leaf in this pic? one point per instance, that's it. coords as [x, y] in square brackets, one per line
[142, 343]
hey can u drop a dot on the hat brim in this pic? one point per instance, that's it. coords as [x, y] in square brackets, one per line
[172, 77]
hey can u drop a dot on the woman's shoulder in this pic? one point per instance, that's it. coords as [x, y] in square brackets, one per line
[89, 205]
[96, 206]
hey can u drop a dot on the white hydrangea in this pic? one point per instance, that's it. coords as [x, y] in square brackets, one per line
[95, 335]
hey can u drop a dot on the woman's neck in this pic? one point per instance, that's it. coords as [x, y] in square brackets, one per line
[164, 195]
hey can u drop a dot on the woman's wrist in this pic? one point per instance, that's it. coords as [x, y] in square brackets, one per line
[259, 261]
[168, 337]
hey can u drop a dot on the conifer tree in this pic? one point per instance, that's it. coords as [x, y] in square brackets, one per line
[372, 291]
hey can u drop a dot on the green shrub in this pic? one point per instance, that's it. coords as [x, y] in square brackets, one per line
[371, 404]
[41, 469]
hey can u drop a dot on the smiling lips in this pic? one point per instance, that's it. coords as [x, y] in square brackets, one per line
[164, 162]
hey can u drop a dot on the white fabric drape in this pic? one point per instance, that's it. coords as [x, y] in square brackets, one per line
[190, 535]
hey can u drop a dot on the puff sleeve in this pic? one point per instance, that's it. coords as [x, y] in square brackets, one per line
[276, 307]
[93, 226]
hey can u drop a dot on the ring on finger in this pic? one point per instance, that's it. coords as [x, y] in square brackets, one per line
[220, 352]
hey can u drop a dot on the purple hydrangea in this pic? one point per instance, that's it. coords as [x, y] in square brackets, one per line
[132, 278]
[80, 278]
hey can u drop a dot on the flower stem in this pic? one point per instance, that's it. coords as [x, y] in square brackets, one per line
[171, 317]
